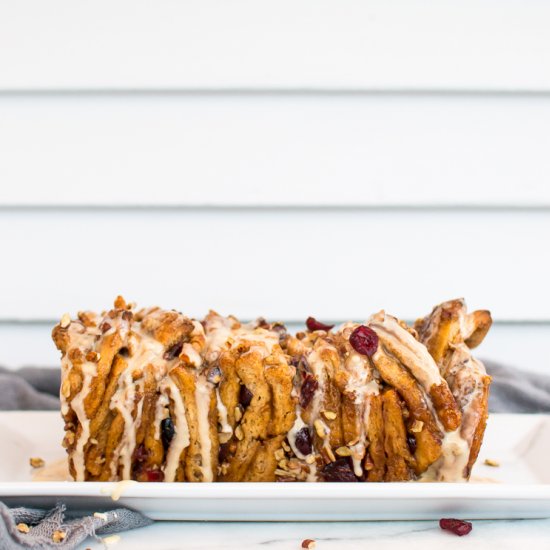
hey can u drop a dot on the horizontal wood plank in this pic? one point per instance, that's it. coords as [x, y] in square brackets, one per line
[335, 264]
[275, 44]
[290, 150]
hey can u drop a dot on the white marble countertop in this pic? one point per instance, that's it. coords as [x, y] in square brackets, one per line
[412, 535]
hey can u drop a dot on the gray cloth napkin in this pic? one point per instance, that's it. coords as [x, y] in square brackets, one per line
[44, 523]
[29, 388]
[512, 390]
[517, 391]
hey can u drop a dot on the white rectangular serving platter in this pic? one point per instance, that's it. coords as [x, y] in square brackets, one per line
[518, 488]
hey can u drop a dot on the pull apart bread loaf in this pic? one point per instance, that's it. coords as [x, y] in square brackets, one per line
[152, 395]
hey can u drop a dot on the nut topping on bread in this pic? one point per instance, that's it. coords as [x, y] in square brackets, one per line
[152, 395]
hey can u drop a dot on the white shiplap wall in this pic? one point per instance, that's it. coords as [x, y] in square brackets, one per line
[341, 263]
[291, 149]
[275, 44]
[275, 158]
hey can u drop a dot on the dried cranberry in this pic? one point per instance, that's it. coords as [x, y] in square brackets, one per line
[364, 340]
[155, 475]
[411, 440]
[141, 453]
[245, 396]
[309, 386]
[168, 431]
[173, 351]
[457, 526]
[303, 441]
[338, 471]
[223, 453]
[312, 324]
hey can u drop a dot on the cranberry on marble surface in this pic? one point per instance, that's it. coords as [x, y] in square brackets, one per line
[457, 526]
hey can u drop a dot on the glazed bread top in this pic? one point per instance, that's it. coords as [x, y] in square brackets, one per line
[154, 395]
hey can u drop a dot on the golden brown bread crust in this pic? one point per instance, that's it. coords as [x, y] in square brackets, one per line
[428, 439]
[442, 398]
[446, 407]
[376, 458]
[482, 406]
[399, 460]
[449, 333]
[154, 396]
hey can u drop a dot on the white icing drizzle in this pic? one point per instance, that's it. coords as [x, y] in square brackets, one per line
[357, 455]
[222, 415]
[359, 450]
[218, 329]
[362, 388]
[124, 400]
[202, 397]
[161, 412]
[89, 370]
[192, 354]
[465, 375]
[224, 332]
[145, 351]
[360, 379]
[120, 487]
[317, 365]
[416, 356]
[452, 462]
[180, 441]
[81, 338]
[312, 473]
[361, 384]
